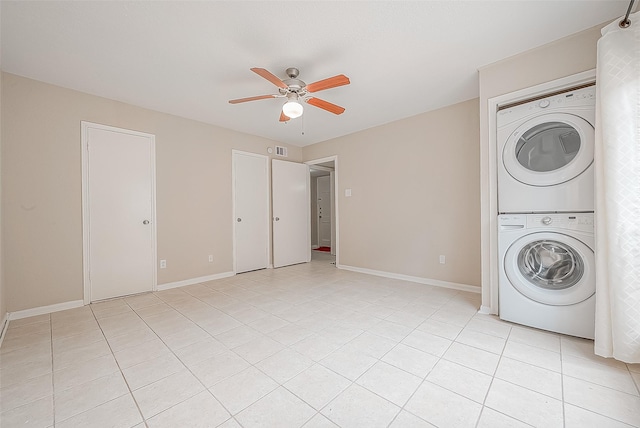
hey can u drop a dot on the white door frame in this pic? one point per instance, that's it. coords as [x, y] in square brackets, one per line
[85, 126]
[333, 158]
[267, 181]
[489, 182]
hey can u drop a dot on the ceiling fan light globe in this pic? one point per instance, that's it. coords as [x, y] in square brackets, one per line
[292, 109]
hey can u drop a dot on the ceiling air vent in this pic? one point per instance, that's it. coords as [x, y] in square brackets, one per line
[281, 151]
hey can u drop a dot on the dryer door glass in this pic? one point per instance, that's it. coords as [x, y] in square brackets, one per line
[550, 264]
[549, 149]
[548, 146]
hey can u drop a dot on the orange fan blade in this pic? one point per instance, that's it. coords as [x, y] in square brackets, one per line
[283, 117]
[244, 100]
[329, 83]
[326, 105]
[270, 77]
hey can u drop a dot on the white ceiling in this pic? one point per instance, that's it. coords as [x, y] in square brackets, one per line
[189, 58]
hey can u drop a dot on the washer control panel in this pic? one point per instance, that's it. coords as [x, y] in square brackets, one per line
[570, 221]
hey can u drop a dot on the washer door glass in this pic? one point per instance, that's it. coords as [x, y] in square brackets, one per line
[550, 264]
[551, 268]
[549, 149]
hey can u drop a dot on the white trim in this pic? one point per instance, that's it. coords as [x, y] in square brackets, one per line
[420, 280]
[267, 183]
[85, 126]
[322, 168]
[488, 168]
[193, 281]
[336, 197]
[45, 309]
[484, 310]
[5, 326]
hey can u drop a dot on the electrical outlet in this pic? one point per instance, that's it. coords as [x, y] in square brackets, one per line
[442, 259]
[163, 264]
[210, 258]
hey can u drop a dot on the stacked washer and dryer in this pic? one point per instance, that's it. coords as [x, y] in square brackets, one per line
[545, 204]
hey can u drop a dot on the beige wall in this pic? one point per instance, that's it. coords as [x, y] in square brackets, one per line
[561, 58]
[415, 195]
[41, 199]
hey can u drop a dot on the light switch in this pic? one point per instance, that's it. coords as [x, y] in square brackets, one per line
[347, 193]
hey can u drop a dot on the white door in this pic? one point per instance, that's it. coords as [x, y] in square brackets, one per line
[324, 211]
[291, 216]
[119, 218]
[251, 211]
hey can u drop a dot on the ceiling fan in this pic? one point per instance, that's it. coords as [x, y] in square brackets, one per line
[295, 90]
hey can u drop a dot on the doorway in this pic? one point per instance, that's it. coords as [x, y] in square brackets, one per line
[324, 210]
[324, 207]
[118, 212]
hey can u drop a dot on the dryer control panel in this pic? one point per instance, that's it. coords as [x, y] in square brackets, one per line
[584, 97]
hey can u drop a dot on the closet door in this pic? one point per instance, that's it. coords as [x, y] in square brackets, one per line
[291, 213]
[119, 206]
[251, 211]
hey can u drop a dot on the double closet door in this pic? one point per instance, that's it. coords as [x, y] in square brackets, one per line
[288, 219]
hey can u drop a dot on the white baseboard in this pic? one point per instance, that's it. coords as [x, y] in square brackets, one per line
[26, 313]
[420, 280]
[192, 281]
[3, 327]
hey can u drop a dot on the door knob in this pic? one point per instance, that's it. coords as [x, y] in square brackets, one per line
[145, 222]
[277, 218]
[238, 219]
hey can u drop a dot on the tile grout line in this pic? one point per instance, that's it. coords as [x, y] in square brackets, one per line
[179, 359]
[286, 347]
[402, 408]
[323, 299]
[119, 368]
[493, 377]
[53, 383]
[378, 359]
[564, 411]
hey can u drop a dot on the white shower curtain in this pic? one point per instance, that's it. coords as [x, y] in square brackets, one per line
[617, 166]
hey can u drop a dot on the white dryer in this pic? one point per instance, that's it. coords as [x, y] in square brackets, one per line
[547, 271]
[545, 154]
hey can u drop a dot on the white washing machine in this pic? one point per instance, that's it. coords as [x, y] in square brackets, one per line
[545, 154]
[547, 271]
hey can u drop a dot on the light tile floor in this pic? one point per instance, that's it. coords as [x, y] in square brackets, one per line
[307, 345]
